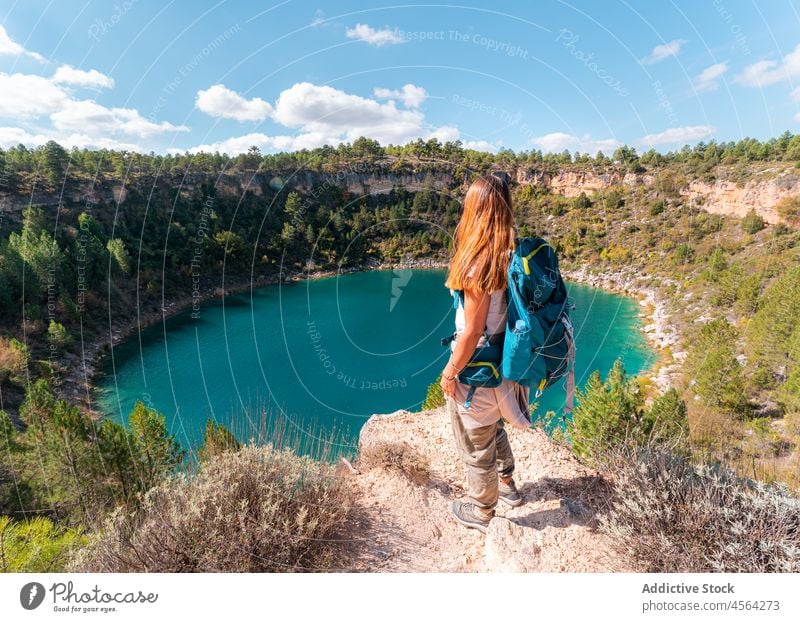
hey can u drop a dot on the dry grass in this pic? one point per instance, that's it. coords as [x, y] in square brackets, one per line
[671, 516]
[260, 509]
[12, 359]
[399, 457]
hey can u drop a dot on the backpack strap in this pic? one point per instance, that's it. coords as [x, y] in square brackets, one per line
[458, 297]
[570, 398]
[470, 395]
[530, 256]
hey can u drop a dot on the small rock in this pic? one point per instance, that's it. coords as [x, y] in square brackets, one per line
[509, 547]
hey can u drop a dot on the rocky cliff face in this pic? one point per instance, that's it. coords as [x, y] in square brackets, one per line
[573, 183]
[723, 196]
[404, 522]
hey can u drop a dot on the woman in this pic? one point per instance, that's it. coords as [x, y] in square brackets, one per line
[483, 244]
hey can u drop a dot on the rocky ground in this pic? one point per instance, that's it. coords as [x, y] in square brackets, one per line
[402, 521]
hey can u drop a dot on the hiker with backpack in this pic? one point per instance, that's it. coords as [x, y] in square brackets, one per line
[512, 333]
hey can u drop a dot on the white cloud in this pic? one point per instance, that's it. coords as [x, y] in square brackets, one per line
[412, 96]
[77, 116]
[443, 134]
[9, 47]
[13, 136]
[558, 141]
[766, 72]
[679, 135]
[797, 117]
[24, 96]
[78, 77]
[707, 80]
[555, 141]
[481, 145]
[328, 111]
[795, 94]
[308, 140]
[377, 37]
[220, 101]
[240, 144]
[323, 115]
[319, 17]
[83, 141]
[80, 122]
[660, 52]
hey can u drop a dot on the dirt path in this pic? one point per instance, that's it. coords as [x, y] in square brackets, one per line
[402, 526]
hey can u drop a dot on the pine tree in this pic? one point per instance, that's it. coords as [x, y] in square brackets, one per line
[36, 545]
[217, 439]
[715, 370]
[608, 413]
[160, 453]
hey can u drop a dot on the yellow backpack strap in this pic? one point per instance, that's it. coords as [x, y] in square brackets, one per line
[540, 388]
[529, 256]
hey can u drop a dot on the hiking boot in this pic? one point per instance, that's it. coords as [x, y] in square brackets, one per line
[509, 494]
[469, 515]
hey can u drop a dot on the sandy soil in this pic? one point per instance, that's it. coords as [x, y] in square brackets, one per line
[403, 526]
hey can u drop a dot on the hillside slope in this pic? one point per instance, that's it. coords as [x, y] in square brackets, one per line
[406, 526]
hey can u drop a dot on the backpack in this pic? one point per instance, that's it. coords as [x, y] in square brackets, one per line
[539, 345]
[483, 368]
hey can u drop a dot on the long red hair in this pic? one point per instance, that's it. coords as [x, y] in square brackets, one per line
[483, 238]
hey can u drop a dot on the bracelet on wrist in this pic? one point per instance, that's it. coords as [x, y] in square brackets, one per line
[455, 369]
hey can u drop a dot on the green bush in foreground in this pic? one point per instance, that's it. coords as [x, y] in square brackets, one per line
[434, 397]
[36, 545]
[612, 413]
[672, 516]
[256, 510]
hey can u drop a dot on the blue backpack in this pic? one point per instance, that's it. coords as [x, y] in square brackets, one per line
[539, 345]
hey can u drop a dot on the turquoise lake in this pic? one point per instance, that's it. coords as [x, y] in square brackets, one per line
[321, 356]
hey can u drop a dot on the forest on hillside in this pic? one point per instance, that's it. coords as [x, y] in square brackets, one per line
[72, 263]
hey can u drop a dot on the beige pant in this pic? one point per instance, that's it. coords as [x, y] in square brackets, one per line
[486, 454]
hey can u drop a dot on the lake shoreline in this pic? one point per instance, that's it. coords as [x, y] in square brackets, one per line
[78, 385]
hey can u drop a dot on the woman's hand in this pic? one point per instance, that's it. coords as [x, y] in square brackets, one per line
[476, 310]
[448, 384]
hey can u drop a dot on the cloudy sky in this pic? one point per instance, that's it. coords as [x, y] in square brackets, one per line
[174, 76]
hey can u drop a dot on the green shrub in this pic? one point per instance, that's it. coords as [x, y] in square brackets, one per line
[714, 369]
[656, 207]
[217, 439]
[666, 419]
[582, 202]
[612, 413]
[752, 223]
[36, 545]
[683, 253]
[256, 510]
[789, 209]
[58, 335]
[769, 333]
[671, 516]
[434, 397]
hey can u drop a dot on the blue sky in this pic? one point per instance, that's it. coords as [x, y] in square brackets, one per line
[217, 75]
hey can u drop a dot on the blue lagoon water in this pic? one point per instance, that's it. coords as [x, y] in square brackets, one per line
[323, 355]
